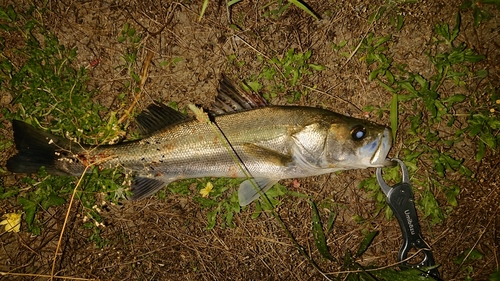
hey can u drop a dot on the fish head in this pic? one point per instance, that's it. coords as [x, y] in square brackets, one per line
[355, 143]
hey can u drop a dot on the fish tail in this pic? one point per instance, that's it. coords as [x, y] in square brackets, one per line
[36, 149]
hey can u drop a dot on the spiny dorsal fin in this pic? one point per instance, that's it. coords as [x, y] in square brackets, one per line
[156, 117]
[231, 98]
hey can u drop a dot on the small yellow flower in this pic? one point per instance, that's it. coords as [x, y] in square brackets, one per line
[12, 222]
[497, 101]
[492, 110]
[206, 191]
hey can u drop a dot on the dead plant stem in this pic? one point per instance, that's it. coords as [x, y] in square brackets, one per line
[64, 224]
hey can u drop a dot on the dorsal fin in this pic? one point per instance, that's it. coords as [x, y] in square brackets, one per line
[156, 117]
[231, 98]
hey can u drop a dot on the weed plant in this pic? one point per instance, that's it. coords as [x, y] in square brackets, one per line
[428, 149]
[51, 94]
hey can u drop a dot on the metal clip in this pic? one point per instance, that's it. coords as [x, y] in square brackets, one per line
[400, 199]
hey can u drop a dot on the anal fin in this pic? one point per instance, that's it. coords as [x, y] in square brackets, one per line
[143, 187]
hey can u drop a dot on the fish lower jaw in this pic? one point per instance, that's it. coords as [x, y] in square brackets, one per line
[380, 163]
[379, 158]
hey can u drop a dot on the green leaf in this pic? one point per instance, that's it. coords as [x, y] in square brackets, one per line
[489, 139]
[374, 75]
[482, 73]
[471, 254]
[389, 76]
[465, 5]
[382, 40]
[53, 200]
[455, 98]
[11, 13]
[212, 219]
[134, 76]
[400, 22]
[258, 210]
[495, 2]
[386, 87]
[4, 144]
[456, 28]
[465, 171]
[412, 274]
[481, 150]
[341, 44]
[131, 32]
[30, 208]
[3, 14]
[494, 123]
[495, 276]
[318, 233]
[473, 58]
[443, 30]
[367, 240]
[126, 26]
[424, 84]
[11, 191]
[409, 87]
[317, 67]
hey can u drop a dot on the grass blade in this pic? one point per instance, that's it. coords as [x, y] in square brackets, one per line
[318, 233]
[366, 243]
[232, 2]
[304, 7]
[394, 116]
[331, 221]
[203, 9]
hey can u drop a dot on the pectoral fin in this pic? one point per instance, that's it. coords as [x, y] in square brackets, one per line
[250, 189]
[267, 155]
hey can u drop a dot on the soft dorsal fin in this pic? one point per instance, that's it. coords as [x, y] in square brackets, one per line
[231, 98]
[156, 117]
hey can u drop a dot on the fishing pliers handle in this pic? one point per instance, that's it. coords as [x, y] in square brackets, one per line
[400, 198]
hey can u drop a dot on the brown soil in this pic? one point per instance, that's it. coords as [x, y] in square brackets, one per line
[167, 239]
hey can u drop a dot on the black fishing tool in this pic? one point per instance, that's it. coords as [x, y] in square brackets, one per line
[400, 199]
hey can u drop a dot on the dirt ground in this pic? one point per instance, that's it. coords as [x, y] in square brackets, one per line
[167, 239]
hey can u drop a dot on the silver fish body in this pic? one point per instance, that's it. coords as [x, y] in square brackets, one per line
[265, 144]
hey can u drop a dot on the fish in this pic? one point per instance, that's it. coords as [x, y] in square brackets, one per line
[245, 138]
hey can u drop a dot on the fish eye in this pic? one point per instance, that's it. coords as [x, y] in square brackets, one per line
[358, 132]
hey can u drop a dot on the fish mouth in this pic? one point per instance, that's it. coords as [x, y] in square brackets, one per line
[379, 158]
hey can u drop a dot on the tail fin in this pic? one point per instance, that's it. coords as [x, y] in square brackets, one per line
[36, 149]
